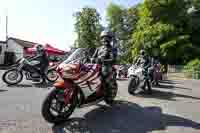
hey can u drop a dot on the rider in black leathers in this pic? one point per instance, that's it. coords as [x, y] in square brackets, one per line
[106, 56]
[42, 57]
[145, 62]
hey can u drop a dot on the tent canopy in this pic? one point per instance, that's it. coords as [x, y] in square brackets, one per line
[49, 49]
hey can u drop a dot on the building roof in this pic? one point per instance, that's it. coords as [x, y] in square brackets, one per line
[3, 42]
[23, 43]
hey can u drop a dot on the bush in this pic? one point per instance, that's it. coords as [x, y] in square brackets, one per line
[193, 65]
[193, 68]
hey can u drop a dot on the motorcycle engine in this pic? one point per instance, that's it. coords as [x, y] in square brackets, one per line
[35, 75]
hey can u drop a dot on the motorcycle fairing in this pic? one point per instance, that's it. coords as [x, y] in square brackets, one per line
[89, 80]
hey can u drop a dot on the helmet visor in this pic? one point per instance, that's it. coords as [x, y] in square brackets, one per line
[106, 38]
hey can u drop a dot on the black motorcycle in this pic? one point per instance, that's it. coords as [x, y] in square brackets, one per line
[14, 75]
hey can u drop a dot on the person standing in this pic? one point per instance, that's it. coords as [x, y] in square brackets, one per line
[106, 56]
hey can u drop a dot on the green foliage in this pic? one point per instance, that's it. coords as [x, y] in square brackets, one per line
[163, 30]
[115, 17]
[196, 3]
[122, 22]
[87, 27]
[195, 26]
[193, 65]
[192, 69]
[195, 22]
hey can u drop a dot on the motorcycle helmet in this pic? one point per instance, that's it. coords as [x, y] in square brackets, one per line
[40, 48]
[142, 52]
[106, 35]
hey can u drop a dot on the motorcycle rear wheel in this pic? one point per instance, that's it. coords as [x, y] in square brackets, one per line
[132, 85]
[19, 76]
[47, 112]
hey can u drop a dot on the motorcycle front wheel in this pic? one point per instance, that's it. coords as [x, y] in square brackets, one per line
[12, 77]
[132, 85]
[54, 109]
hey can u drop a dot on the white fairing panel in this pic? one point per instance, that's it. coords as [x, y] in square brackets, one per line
[131, 71]
[89, 80]
[138, 72]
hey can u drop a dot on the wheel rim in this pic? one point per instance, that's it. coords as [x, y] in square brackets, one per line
[58, 107]
[13, 76]
[52, 75]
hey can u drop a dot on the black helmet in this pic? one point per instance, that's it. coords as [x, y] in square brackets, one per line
[142, 52]
[107, 33]
[39, 47]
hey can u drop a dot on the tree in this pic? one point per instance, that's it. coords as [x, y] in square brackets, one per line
[196, 3]
[122, 22]
[195, 24]
[88, 28]
[163, 30]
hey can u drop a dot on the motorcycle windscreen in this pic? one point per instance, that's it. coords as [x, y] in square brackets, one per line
[75, 56]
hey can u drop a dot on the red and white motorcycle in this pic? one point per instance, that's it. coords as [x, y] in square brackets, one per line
[80, 86]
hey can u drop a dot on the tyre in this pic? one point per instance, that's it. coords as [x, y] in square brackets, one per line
[57, 114]
[112, 93]
[157, 83]
[12, 77]
[132, 85]
[52, 75]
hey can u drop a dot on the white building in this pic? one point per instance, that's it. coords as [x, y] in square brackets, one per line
[14, 50]
[2, 50]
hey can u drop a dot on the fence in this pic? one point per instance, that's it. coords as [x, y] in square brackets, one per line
[178, 71]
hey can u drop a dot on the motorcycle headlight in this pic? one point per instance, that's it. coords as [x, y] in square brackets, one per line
[51, 64]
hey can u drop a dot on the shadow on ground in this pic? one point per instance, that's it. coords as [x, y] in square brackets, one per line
[164, 86]
[163, 95]
[124, 117]
[184, 88]
[169, 84]
[40, 85]
[73, 125]
[21, 85]
[3, 90]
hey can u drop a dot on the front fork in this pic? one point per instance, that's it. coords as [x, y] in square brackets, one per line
[20, 67]
[66, 90]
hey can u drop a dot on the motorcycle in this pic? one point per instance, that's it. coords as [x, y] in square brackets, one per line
[122, 72]
[14, 75]
[137, 78]
[80, 86]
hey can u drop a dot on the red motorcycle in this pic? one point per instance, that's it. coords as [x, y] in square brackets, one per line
[80, 86]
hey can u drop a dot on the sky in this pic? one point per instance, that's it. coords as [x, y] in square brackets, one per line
[48, 21]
